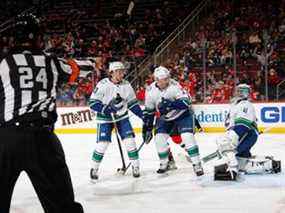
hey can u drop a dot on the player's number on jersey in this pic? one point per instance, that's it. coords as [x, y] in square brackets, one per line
[26, 77]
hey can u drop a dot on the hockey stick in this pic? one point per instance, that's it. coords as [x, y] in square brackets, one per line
[126, 169]
[140, 147]
[215, 154]
[119, 145]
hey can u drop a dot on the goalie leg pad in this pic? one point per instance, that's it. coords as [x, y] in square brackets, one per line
[227, 148]
[259, 165]
[222, 172]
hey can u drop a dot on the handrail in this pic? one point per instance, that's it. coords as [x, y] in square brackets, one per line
[157, 51]
[188, 26]
[183, 24]
[143, 67]
[278, 94]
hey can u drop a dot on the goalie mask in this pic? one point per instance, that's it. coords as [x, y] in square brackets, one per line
[243, 91]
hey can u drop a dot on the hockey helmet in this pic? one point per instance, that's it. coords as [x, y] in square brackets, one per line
[26, 28]
[161, 73]
[116, 65]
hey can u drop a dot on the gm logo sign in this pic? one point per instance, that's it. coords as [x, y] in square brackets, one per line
[272, 114]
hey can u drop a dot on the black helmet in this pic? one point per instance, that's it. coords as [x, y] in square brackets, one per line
[26, 28]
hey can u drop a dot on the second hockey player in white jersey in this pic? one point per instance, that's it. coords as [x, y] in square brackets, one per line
[241, 135]
[167, 96]
[111, 99]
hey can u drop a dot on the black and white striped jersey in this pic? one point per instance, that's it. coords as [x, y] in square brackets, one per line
[28, 82]
[86, 67]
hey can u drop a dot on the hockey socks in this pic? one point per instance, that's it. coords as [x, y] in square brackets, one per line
[192, 150]
[97, 157]
[162, 148]
[133, 155]
[191, 147]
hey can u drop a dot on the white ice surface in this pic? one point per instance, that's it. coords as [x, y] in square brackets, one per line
[179, 191]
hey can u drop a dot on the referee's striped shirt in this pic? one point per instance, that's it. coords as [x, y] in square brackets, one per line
[28, 82]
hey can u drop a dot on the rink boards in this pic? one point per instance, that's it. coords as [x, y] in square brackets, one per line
[81, 120]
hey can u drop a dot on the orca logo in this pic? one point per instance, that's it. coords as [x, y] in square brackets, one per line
[272, 114]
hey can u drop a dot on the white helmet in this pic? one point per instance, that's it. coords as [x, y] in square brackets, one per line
[116, 65]
[243, 91]
[161, 73]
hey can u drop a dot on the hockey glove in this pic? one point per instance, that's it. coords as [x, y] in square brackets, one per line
[147, 127]
[114, 106]
[108, 110]
[164, 106]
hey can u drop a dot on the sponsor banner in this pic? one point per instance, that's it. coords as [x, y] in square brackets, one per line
[80, 120]
[268, 114]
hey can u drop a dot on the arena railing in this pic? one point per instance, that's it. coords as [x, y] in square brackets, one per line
[186, 28]
[141, 71]
[183, 31]
[280, 90]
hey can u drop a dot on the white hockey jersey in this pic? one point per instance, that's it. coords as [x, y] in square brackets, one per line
[173, 92]
[241, 112]
[106, 91]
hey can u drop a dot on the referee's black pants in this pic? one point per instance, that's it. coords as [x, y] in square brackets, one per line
[39, 153]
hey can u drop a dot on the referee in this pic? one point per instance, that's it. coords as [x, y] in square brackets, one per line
[28, 82]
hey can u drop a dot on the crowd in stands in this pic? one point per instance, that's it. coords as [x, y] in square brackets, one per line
[125, 38]
[121, 37]
[249, 19]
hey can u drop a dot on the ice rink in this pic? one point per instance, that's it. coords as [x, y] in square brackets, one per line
[178, 191]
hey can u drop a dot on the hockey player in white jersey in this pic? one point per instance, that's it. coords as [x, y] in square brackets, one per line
[241, 135]
[167, 96]
[111, 99]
